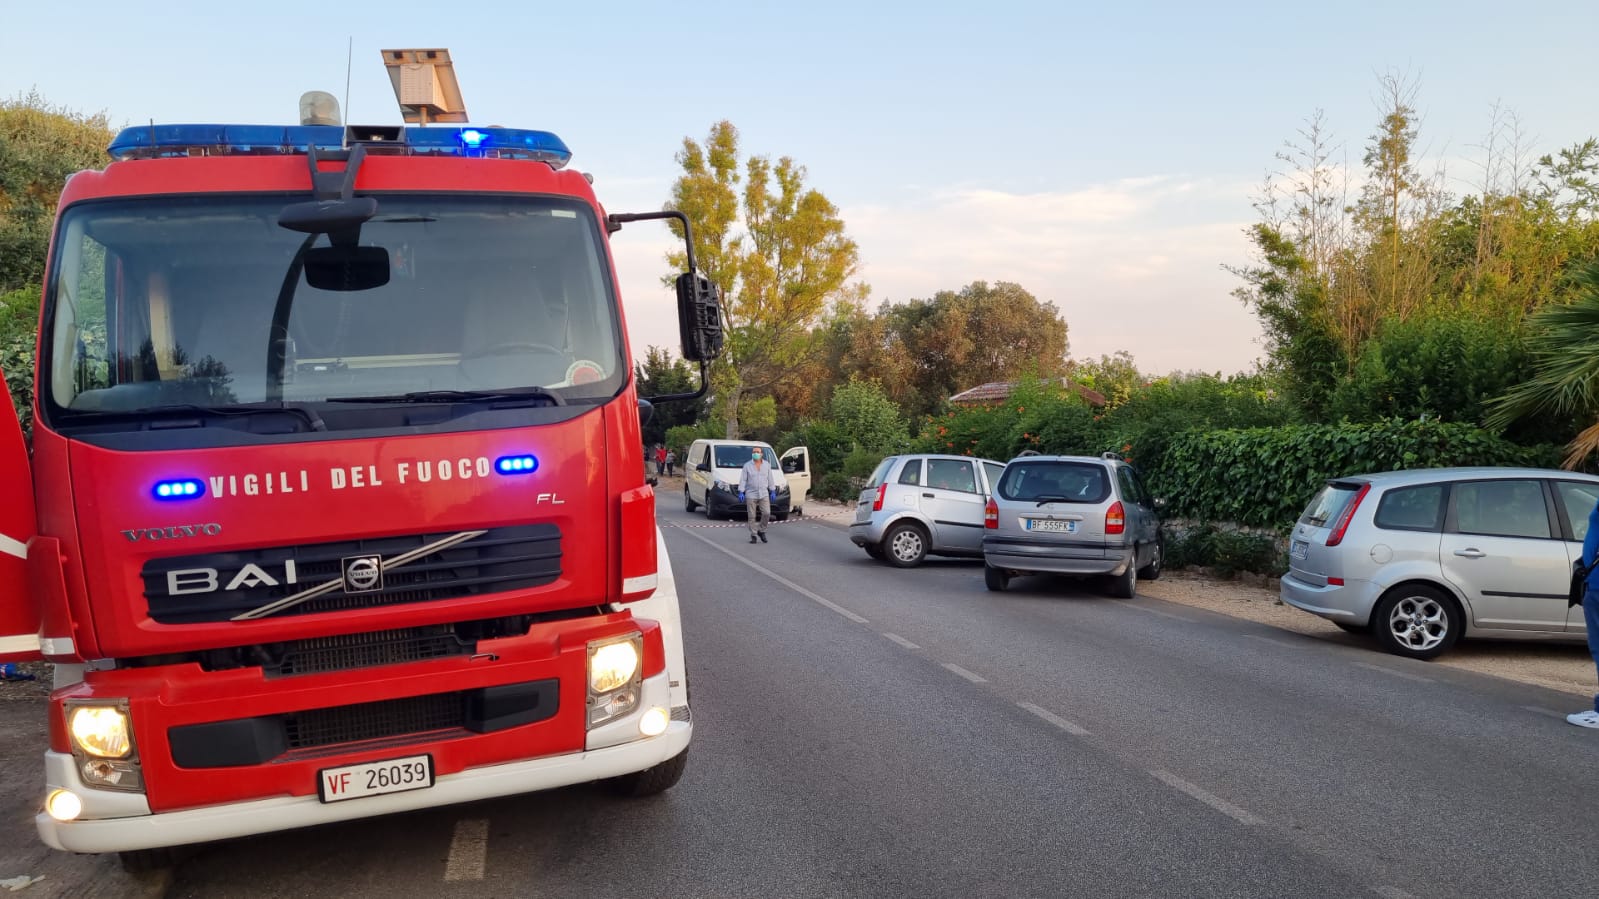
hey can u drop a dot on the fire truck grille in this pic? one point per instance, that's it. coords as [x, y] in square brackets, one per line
[219, 586]
[368, 650]
[374, 720]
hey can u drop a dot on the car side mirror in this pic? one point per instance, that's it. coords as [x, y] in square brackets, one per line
[699, 316]
[703, 466]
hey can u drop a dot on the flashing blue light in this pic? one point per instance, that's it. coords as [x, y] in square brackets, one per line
[516, 464]
[187, 488]
[158, 141]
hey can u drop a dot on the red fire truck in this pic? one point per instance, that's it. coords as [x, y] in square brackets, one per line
[335, 504]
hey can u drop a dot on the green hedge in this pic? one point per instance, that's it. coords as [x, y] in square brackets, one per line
[1263, 477]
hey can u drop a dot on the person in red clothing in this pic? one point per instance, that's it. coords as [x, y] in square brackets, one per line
[660, 459]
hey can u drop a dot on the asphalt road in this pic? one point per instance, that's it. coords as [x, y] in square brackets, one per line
[866, 731]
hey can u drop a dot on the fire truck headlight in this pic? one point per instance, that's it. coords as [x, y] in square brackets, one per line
[63, 805]
[613, 665]
[655, 722]
[101, 731]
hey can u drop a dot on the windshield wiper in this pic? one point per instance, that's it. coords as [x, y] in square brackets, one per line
[455, 396]
[307, 415]
[1052, 498]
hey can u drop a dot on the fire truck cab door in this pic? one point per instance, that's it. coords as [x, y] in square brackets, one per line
[19, 613]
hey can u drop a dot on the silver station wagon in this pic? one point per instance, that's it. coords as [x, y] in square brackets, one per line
[1072, 515]
[916, 505]
[1423, 558]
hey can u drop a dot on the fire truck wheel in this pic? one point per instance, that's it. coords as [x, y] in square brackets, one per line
[651, 781]
[137, 861]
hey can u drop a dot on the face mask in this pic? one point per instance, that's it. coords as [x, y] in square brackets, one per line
[756, 456]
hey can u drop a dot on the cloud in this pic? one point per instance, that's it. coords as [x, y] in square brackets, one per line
[1133, 264]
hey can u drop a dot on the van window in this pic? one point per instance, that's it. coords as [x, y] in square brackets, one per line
[993, 470]
[1131, 489]
[734, 455]
[911, 473]
[1412, 509]
[1066, 482]
[1579, 499]
[951, 474]
[1501, 509]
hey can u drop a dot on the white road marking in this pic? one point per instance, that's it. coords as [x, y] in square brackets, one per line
[1543, 711]
[974, 678]
[1215, 802]
[825, 603]
[1385, 670]
[469, 850]
[1275, 642]
[1158, 612]
[902, 641]
[1055, 719]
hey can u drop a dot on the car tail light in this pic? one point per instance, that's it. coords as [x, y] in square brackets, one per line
[1337, 535]
[1116, 519]
[882, 491]
[991, 515]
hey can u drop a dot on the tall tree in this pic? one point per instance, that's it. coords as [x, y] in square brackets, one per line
[927, 350]
[778, 251]
[1564, 343]
[40, 145]
[1116, 377]
[661, 374]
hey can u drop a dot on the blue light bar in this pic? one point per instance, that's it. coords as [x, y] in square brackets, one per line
[160, 141]
[187, 488]
[516, 464]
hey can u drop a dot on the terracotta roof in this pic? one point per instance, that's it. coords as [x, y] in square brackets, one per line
[999, 391]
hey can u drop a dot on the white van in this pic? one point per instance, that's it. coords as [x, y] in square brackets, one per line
[711, 472]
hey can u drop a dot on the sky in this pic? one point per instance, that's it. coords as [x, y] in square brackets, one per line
[1103, 156]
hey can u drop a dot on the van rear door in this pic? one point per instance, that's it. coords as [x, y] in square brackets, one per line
[796, 467]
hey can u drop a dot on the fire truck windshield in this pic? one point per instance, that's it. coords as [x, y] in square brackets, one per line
[162, 302]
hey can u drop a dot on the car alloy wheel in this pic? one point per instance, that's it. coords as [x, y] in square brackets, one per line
[906, 545]
[1418, 620]
[1418, 623]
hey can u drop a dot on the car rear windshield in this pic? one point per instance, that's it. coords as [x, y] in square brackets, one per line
[882, 472]
[1328, 504]
[1066, 482]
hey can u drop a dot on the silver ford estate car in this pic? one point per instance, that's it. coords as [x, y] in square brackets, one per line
[1073, 515]
[916, 505]
[1423, 558]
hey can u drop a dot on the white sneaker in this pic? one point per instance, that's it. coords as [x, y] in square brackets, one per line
[1585, 719]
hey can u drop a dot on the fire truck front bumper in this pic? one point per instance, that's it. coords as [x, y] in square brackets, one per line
[115, 822]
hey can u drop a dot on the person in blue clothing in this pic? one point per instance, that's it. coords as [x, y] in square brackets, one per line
[1590, 612]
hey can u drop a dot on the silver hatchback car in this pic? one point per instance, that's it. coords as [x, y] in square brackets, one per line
[1074, 515]
[917, 505]
[1423, 558]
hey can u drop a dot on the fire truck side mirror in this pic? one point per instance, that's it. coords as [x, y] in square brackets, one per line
[699, 313]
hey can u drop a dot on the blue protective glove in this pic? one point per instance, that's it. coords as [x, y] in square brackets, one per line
[772, 494]
[741, 496]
